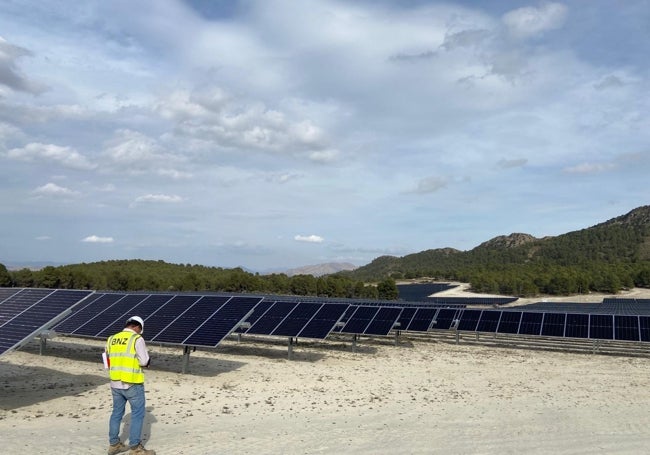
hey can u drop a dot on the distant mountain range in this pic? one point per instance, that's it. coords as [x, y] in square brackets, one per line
[321, 269]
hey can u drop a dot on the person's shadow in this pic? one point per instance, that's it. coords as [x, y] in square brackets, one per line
[149, 419]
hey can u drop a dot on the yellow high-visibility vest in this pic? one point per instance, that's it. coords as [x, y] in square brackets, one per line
[124, 365]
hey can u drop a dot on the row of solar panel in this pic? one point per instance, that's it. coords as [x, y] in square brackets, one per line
[568, 325]
[196, 320]
[620, 307]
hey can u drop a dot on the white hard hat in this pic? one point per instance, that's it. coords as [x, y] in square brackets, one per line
[137, 320]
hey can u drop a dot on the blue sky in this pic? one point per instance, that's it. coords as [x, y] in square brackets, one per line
[272, 134]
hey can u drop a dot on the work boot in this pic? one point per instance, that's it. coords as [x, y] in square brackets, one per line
[116, 448]
[140, 450]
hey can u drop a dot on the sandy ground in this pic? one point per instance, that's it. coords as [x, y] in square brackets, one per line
[425, 395]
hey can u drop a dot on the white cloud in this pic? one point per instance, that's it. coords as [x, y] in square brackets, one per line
[133, 152]
[97, 239]
[66, 156]
[531, 21]
[324, 156]
[157, 198]
[52, 189]
[42, 238]
[309, 238]
[228, 122]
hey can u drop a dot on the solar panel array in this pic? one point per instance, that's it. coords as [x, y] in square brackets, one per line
[205, 320]
[24, 313]
[551, 324]
[194, 320]
[607, 306]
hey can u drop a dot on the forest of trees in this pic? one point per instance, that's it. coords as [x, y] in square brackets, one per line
[141, 275]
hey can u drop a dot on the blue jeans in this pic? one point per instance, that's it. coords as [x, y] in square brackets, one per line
[135, 396]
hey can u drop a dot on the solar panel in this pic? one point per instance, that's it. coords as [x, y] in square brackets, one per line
[531, 323]
[20, 302]
[257, 313]
[405, 317]
[80, 314]
[272, 318]
[114, 316]
[644, 328]
[195, 315]
[423, 318]
[92, 325]
[601, 326]
[489, 321]
[509, 322]
[553, 324]
[384, 321]
[443, 319]
[360, 319]
[167, 313]
[296, 319]
[577, 326]
[5, 293]
[626, 328]
[26, 313]
[222, 322]
[469, 320]
[323, 321]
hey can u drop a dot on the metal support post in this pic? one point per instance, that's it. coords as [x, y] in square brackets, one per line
[186, 359]
[290, 353]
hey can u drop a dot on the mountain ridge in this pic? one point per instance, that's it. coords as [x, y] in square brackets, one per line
[605, 246]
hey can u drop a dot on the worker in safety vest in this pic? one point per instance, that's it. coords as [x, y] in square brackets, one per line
[127, 356]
